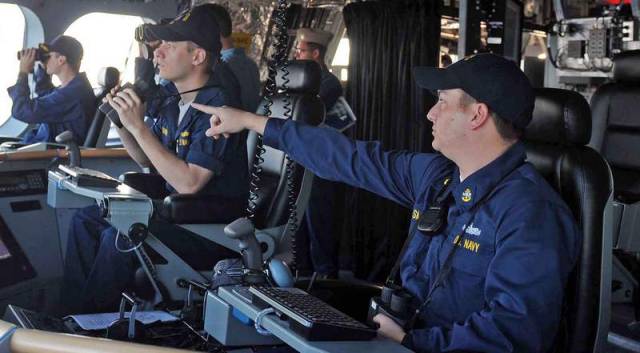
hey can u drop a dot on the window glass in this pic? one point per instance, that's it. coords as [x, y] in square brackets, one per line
[11, 37]
[340, 62]
[107, 40]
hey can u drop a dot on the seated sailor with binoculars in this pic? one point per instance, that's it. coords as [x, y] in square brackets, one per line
[96, 272]
[56, 109]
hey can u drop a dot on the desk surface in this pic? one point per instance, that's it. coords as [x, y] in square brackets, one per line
[280, 329]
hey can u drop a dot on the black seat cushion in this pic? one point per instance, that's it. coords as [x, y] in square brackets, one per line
[302, 81]
[616, 125]
[560, 118]
[201, 209]
[555, 142]
[626, 67]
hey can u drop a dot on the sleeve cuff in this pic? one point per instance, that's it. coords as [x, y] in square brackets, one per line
[272, 132]
[407, 341]
[22, 78]
[205, 161]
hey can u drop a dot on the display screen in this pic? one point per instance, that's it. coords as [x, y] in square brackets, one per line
[4, 252]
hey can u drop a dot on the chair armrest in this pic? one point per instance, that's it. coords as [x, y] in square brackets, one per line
[201, 209]
[152, 185]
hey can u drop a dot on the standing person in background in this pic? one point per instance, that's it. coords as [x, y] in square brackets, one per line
[319, 222]
[244, 69]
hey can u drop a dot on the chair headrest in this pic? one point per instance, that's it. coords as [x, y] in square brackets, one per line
[559, 117]
[303, 77]
[626, 66]
[108, 77]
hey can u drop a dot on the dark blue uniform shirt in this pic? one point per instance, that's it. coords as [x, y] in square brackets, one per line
[226, 157]
[246, 71]
[56, 110]
[505, 290]
[330, 89]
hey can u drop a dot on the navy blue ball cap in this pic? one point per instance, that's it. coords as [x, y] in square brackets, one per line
[490, 79]
[197, 25]
[67, 46]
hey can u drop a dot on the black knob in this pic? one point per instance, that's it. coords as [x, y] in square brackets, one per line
[66, 138]
[138, 233]
[244, 230]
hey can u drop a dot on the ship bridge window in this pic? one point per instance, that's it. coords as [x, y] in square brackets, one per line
[107, 40]
[11, 36]
[340, 62]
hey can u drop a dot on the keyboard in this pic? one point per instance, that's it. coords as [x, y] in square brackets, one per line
[89, 177]
[309, 316]
[33, 320]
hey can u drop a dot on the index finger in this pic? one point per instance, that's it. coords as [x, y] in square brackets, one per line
[206, 108]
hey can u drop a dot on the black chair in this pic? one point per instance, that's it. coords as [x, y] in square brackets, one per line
[616, 135]
[108, 77]
[556, 142]
[200, 215]
[616, 125]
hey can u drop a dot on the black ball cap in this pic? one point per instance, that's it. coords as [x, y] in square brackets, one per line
[490, 79]
[197, 25]
[67, 46]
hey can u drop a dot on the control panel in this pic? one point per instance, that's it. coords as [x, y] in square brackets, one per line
[23, 182]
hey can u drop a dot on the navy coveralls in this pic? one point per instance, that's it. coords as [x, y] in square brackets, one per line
[95, 271]
[56, 109]
[319, 224]
[505, 290]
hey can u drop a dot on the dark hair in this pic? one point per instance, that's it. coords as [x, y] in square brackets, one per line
[209, 58]
[505, 128]
[74, 64]
[321, 49]
[222, 17]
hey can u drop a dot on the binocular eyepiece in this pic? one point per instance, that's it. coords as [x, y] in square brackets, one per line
[42, 53]
[142, 89]
[141, 33]
[394, 302]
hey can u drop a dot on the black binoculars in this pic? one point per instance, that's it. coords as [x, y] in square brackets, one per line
[394, 302]
[142, 33]
[42, 53]
[142, 89]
